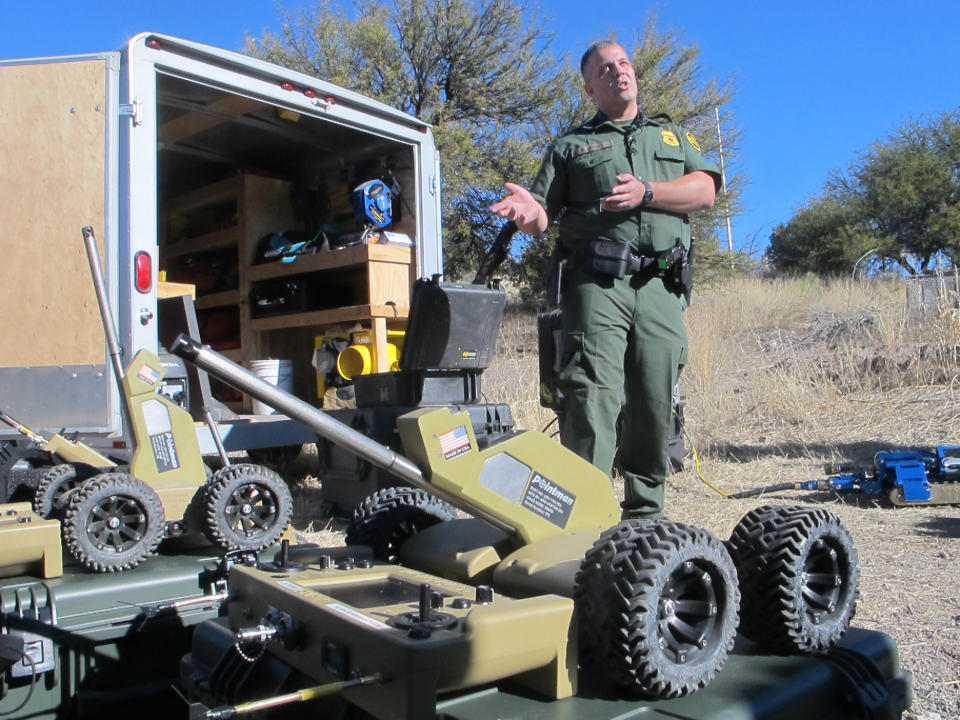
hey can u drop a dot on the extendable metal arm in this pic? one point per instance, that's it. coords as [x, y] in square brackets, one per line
[327, 427]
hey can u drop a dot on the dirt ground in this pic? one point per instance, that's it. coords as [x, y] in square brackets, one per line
[909, 565]
[909, 556]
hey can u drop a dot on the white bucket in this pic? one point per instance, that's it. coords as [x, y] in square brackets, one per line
[275, 372]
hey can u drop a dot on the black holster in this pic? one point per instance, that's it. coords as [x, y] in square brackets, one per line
[678, 272]
[558, 265]
[606, 258]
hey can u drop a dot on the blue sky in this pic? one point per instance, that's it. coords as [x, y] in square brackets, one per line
[817, 81]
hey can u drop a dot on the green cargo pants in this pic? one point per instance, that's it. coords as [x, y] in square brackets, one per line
[621, 338]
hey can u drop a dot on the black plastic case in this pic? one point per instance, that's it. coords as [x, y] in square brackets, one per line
[452, 326]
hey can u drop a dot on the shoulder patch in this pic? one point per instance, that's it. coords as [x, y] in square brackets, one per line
[693, 141]
[593, 147]
[669, 137]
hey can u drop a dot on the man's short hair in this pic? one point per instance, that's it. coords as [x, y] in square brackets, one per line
[592, 50]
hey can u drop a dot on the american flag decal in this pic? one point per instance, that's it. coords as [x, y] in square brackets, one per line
[148, 375]
[453, 442]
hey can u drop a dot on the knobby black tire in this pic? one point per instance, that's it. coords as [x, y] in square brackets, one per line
[391, 516]
[19, 485]
[113, 522]
[55, 486]
[656, 605]
[247, 507]
[799, 578]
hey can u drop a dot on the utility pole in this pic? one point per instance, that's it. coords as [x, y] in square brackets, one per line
[723, 182]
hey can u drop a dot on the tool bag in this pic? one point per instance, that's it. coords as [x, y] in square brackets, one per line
[286, 246]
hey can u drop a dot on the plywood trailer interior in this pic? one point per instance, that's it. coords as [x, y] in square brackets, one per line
[231, 171]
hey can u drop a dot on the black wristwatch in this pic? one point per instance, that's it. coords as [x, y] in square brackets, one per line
[648, 193]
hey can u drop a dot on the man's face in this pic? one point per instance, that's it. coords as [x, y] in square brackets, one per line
[610, 79]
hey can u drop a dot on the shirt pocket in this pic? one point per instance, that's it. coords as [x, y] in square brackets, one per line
[592, 175]
[670, 162]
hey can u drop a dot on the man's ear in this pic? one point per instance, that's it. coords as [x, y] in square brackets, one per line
[588, 86]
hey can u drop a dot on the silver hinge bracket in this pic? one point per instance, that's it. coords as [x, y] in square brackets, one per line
[133, 110]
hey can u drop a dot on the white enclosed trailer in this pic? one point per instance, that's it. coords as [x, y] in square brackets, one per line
[183, 157]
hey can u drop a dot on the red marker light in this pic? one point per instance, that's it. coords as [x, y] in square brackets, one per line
[286, 85]
[330, 99]
[153, 42]
[309, 93]
[142, 272]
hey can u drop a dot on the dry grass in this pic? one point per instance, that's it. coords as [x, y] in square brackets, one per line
[783, 377]
[787, 376]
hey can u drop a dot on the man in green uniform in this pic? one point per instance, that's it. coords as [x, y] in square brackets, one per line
[622, 186]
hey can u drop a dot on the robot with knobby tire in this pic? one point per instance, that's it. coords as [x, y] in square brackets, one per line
[114, 517]
[653, 607]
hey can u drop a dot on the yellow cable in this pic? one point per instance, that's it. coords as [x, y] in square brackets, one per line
[696, 461]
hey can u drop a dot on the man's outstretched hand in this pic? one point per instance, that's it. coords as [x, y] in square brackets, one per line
[521, 207]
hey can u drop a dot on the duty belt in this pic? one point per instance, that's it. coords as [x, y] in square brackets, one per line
[642, 264]
[615, 259]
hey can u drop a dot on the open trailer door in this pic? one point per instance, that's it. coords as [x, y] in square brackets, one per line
[58, 142]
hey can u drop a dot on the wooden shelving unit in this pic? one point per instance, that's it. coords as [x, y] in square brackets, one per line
[360, 285]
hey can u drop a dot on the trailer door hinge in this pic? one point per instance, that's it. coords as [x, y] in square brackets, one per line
[433, 184]
[133, 110]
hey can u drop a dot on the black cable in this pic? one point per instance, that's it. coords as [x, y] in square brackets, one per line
[33, 683]
[547, 426]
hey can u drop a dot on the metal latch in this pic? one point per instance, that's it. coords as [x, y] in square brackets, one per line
[133, 110]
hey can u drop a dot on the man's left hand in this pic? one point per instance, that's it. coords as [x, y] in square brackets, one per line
[625, 196]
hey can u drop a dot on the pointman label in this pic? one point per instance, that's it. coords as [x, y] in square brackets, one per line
[548, 500]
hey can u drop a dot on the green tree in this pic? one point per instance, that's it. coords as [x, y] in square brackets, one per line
[820, 238]
[480, 71]
[900, 200]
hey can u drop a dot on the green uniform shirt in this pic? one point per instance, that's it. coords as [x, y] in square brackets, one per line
[581, 168]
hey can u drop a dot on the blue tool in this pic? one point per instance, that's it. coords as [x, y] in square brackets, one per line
[373, 203]
[906, 476]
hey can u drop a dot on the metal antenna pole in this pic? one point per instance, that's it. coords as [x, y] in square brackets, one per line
[113, 344]
[723, 181]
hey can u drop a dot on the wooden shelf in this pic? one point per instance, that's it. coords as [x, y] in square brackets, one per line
[218, 192]
[328, 317]
[219, 299]
[170, 289]
[372, 281]
[352, 255]
[217, 240]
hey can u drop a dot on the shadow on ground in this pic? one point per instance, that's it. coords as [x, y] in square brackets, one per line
[944, 527]
[856, 452]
